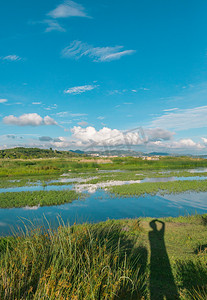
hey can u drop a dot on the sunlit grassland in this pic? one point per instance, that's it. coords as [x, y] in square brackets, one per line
[33, 167]
[108, 260]
[41, 198]
[153, 188]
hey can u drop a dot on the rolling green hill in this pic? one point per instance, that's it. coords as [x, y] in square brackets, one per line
[29, 153]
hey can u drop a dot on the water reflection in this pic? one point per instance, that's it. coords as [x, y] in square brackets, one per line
[101, 206]
[81, 185]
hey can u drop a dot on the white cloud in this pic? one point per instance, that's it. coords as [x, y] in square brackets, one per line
[144, 89]
[170, 109]
[183, 119]
[36, 103]
[77, 49]
[158, 134]
[32, 119]
[49, 121]
[77, 115]
[204, 140]
[3, 100]
[12, 57]
[104, 137]
[53, 25]
[114, 137]
[181, 144]
[80, 89]
[68, 9]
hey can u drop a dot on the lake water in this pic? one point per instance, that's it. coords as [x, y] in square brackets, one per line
[100, 205]
[81, 186]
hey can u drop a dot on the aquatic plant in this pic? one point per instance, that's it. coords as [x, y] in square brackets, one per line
[42, 198]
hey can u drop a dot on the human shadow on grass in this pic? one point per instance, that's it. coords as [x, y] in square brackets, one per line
[162, 284]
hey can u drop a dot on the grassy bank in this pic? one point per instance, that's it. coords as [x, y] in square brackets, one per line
[153, 188]
[124, 259]
[42, 198]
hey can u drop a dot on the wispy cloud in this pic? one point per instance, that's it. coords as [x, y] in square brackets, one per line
[36, 103]
[3, 100]
[182, 119]
[11, 57]
[144, 89]
[170, 109]
[68, 9]
[78, 49]
[32, 119]
[65, 114]
[80, 89]
[53, 25]
[83, 123]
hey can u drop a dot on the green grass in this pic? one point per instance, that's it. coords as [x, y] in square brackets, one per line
[123, 259]
[42, 198]
[57, 166]
[82, 262]
[153, 188]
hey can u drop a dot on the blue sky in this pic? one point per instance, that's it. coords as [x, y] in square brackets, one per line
[75, 74]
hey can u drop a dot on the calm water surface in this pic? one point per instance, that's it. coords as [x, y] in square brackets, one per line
[82, 186]
[100, 205]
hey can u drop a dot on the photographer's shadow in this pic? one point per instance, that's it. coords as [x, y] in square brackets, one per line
[162, 285]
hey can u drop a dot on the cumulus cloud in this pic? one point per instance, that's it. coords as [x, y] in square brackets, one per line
[78, 49]
[183, 119]
[112, 137]
[3, 100]
[104, 136]
[80, 89]
[12, 57]
[68, 9]
[32, 119]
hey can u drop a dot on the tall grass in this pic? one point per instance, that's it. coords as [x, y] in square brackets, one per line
[79, 262]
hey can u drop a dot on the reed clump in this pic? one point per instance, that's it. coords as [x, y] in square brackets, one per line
[78, 262]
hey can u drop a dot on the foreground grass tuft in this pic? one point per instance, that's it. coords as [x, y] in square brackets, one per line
[79, 262]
